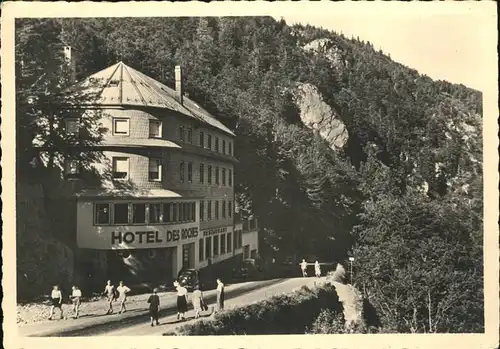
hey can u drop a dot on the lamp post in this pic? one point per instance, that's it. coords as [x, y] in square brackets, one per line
[351, 259]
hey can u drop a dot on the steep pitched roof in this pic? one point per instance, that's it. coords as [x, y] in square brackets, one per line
[122, 85]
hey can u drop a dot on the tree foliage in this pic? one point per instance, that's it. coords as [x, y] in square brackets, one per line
[406, 188]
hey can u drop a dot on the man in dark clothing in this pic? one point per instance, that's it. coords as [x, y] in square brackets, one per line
[154, 306]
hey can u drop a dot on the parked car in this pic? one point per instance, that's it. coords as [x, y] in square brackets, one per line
[191, 277]
[249, 268]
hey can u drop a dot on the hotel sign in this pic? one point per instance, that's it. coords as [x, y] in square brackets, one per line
[214, 231]
[153, 237]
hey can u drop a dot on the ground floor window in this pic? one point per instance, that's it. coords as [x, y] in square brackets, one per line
[200, 250]
[208, 247]
[120, 214]
[138, 213]
[216, 245]
[223, 244]
[154, 213]
[102, 213]
[229, 242]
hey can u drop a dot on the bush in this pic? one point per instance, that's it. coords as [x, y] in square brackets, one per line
[281, 314]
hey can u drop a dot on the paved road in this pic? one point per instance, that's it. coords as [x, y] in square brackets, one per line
[95, 322]
[170, 322]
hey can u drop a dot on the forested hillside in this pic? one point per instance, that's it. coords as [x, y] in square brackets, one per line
[342, 150]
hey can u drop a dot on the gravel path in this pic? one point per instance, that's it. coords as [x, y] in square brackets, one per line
[170, 323]
[93, 319]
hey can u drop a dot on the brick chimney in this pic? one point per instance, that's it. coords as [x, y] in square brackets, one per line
[178, 83]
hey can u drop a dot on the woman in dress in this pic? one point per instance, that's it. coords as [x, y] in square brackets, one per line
[197, 301]
[220, 296]
[317, 269]
[181, 300]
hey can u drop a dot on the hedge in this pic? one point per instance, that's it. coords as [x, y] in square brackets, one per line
[281, 314]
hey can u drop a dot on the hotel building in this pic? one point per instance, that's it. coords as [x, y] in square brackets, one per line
[166, 196]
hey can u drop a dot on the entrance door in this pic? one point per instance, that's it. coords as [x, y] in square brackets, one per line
[246, 251]
[188, 256]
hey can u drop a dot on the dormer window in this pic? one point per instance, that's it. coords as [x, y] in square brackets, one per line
[72, 126]
[181, 133]
[120, 168]
[154, 129]
[154, 170]
[114, 83]
[121, 127]
[71, 169]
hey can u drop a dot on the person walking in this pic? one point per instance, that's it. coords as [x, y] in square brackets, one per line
[122, 296]
[109, 292]
[220, 296]
[317, 269]
[154, 307]
[56, 297]
[76, 296]
[303, 267]
[198, 301]
[181, 300]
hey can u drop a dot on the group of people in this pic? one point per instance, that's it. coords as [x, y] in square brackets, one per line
[317, 268]
[120, 293]
[197, 299]
[57, 299]
[112, 294]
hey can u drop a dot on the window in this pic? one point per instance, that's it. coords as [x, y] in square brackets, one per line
[101, 213]
[120, 168]
[230, 144]
[202, 210]
[181, 133]
[181, 171]
[71, 168]
[223, 176]
[181, 212]
[190, 172]
[187, 212]
[216, 209]
[154, 129]
[209, 174]
[209, 142]
[208, 247]
[138, 213]
[229, 242]
[193, 211]
[230, 178]
[201, 247]
[120, 127]
[174, 212]
[229, 209]
[154, 170]
[202, 173]
[223, 146]
[190, 135]
[154, 213]
[167, 213]
[72, 126]
[223, 209]
[216, 175]
[202, 139]
[216, 245]
[209, 208]
[223, 244]
[120, 214]
[216, 144]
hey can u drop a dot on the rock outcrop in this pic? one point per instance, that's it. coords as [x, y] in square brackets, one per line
[327, 48]
[316, 114]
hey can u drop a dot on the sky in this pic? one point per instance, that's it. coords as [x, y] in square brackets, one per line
[452, 44]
